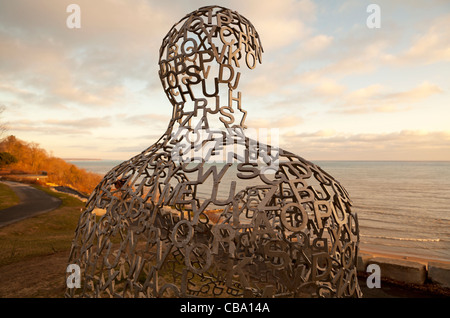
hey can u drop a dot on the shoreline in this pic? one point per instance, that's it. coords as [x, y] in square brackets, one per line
[405, 273]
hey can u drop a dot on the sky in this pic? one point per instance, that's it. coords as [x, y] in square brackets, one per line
[335, 87]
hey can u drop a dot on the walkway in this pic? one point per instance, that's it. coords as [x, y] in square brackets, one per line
[32, 202]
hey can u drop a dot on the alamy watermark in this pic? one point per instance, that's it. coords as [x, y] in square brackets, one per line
[74, 279]
[228, 145]
[374, 19]
[73, 21]
[374, 279]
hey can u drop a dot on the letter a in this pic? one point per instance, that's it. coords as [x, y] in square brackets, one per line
[374, 20]
[73, 281]
[73, 21]
[374, 279]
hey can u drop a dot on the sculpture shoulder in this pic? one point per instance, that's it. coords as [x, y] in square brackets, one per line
[124, 177]
[295, 172]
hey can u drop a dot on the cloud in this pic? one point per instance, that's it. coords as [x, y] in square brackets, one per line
[106, 72]
[278, 123]
[145, 119]
[289, 41]
[92, 66]
[86, 122]
[79, 126]
[397, 44]
[375, 98]
[326, 89]
[280, 24]
[31, 127]
[400, 145]
[127, 147]
[427, 47]
[44, 74]
[84, 67]
[353, 54]
[422, 91]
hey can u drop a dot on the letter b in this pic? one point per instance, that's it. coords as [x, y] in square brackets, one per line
[73, 281]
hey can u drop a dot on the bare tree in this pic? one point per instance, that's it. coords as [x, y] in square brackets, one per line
[3, 128]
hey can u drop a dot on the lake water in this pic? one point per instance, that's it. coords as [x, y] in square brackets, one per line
[403, 207]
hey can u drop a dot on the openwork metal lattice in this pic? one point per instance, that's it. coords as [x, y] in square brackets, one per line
[207, 211]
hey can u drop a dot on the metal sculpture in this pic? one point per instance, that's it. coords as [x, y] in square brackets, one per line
[263, 223]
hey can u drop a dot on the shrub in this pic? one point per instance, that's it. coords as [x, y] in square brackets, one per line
[6, 158]
[33, 159]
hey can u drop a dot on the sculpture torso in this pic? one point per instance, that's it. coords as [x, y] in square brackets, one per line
[264, 222]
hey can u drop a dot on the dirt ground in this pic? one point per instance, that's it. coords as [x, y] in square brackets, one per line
[42, 277]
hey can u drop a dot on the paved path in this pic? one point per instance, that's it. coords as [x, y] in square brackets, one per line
[32, 202]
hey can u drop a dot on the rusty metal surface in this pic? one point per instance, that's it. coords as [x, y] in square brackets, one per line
[178, 222]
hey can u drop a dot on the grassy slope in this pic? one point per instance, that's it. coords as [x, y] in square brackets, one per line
[43, 234]
[7, 197]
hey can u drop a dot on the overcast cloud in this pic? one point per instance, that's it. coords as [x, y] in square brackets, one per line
[335, 88]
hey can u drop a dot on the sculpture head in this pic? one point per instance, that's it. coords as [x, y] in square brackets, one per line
[200, 58]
